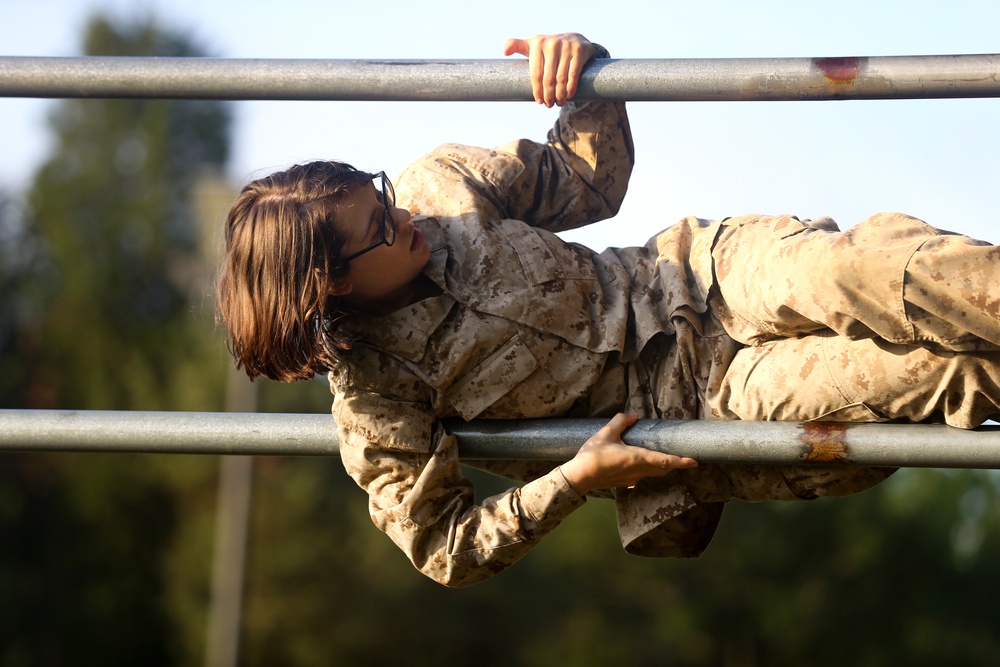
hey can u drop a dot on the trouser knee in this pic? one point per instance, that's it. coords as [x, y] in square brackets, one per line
[828, 377]
[892, 277]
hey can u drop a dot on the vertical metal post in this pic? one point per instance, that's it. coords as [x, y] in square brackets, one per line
[231, 537]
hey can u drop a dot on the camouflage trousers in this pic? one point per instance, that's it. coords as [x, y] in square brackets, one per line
[889, 320]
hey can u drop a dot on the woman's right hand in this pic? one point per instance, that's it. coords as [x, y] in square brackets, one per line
[555, 61]
[605, 461]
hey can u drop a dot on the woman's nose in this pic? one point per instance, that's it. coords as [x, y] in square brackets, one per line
[400, 215]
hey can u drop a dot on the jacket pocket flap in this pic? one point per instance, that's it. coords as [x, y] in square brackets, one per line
[543, 257]
[485, 384]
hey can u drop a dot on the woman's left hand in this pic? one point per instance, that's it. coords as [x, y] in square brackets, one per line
[555, 61]
[605, 461]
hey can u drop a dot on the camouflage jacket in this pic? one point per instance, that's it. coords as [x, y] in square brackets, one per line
[529, 326]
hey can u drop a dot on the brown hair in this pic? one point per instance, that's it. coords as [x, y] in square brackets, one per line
[279, 270]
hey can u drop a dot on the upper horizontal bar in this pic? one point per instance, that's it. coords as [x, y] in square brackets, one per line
[778, 443]
[885, 77]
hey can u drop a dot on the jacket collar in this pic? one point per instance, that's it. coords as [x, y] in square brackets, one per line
[405, 332]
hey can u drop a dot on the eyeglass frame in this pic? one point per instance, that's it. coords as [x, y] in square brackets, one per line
[388, 201]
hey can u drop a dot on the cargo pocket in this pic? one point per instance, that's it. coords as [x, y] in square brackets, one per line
[489, 381]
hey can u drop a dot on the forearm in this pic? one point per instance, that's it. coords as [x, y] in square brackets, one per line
[421, 500]
[580, 175]
[468, 543]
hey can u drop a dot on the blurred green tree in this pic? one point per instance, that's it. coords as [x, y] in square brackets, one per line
[902, 574]
[105, 305]
[113, 206]
[19, 264]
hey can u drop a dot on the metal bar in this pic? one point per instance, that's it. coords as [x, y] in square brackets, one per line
[903, 445]
[727, 79]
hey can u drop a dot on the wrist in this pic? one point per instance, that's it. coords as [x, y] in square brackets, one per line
[575, 476]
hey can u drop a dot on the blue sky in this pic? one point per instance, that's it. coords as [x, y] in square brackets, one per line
[937, 159]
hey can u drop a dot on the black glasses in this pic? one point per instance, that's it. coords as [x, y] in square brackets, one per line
[387, 228]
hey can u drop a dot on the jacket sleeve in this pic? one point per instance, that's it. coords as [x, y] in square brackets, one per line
[408, 464]
[578, 176]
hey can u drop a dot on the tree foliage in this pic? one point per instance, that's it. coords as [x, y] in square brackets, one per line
[103, 284]
[113, 207]
[902, 574]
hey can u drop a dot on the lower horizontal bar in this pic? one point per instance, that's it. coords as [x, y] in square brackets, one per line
[715, 79]
[779, 443]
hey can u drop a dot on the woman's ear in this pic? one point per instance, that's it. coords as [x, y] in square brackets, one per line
[341, 286]
[336, 285]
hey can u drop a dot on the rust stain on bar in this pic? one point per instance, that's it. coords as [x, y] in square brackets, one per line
[825, 442]
[839, 70]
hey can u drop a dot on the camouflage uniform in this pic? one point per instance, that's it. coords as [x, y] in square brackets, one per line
[528, 326]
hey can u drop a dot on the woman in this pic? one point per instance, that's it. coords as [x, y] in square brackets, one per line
[451, 297]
